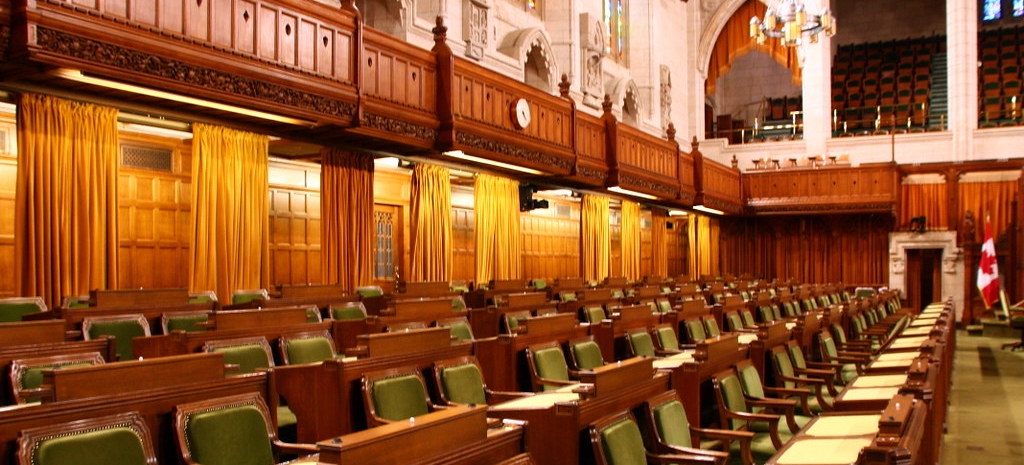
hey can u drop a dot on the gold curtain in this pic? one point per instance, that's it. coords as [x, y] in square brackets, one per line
[704, 235]
[230, 244]
[431, 224]
[630, 238]
[498, 242]
[65, 218]
[596, 237]
[993, 199]
[346, 218]
[659, 245]
[735, 41]
[927, 200]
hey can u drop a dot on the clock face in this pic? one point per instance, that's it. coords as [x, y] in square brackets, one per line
[521, 113]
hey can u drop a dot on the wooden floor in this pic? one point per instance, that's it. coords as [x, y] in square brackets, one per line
[986, 415]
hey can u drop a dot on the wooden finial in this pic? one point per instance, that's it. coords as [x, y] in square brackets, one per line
[606, 105]
[735, 161]
[694, 143]
[440, 30]
[563, 86]
[670, 132]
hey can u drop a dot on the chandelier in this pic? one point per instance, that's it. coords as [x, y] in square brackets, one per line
[788, 20]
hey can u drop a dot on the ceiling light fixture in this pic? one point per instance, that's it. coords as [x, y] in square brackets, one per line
[788, 20]
[464, 156]
[633, 193]
[704, 209]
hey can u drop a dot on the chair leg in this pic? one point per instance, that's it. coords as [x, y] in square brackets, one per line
[1015, 345]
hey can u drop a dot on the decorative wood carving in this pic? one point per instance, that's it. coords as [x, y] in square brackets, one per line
[862, 189]
[397, 126]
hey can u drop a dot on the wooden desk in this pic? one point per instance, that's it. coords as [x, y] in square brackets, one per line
[137, 297]
[504, 362]
[383, 344]
[178, 343]
[73, 316]
[900, 436]
[556, 422]
[104, 345]
[691, 379]
[31, 332]
[768, 335]
[98, 381]
[457, 435]
[830, 439]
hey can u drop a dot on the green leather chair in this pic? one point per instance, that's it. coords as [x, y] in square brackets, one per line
[233, 430]
[711, 327]
[668, 430]
[849, 365]
[27, 374]
[348, 311]
[616, 440]
[736, 414]
[568, 296]
[771, 399]
[460, 328]
[823, 371]
[666, 341]
[460, 380]
[664, 305]
[75, 301]
[202, 297]
[594, 314]
[585, 354]
[786, 377]
[640, 343]
[307, 347]
[14, 308]
[244, 296]
[395, 394]
[695, 331]
[190, 322]
[458, 303]
[121, 439]
[370, 291]
[249, 355]
[748, 319]
[122, 328]
[548, 370]
[510, 320]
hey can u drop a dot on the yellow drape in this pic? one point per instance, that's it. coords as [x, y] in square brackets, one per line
[431, 224]
[347, 223]
[992, 199]
[659, 246]
[498, 242]
[230, 214]
[596, 237]
[734, 41]
[631, 240]
[66, 198]
[927, 200]
[704, 246]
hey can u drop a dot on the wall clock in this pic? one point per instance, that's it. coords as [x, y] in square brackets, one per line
[521, 116]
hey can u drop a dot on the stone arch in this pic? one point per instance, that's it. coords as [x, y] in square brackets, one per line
[531, 48]
[388, 16]
[625, 94]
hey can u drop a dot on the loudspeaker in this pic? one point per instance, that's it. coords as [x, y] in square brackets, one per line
[526, 200]
[670, 225]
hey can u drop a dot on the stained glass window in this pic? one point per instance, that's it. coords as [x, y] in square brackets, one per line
[992, 10]
[615, 28]
[1018, 8]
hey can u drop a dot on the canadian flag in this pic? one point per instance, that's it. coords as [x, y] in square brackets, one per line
[988, 269]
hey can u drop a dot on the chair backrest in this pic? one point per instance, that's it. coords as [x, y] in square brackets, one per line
[664, 305]
[733, 321]
[750, 378]
[244, 296]
[783, 366]
[729, 393]
[796, 355]
[13, 308]
[567, 296]
[695, 330]
[27, 373]
[640, 342]
[369, 291]
[766, 313]
[666, 337]
[460, 328]
[248, 353]
[460, 381]
[666, 420]
[594, 314]
[307, 347]
[748, 318]
[75, 301]
[202, 297]
[511, 320]
[122, 439]
[122, 328]
[711, 327]
[585, 353]
[231, 430]
[617, 441]
[394, 394]
[348, 311]
[458, 303]
[184, 321]
[827, 347]
[546, 361]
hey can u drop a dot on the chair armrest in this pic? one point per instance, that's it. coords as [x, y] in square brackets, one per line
[669, 353]
[497, 397]
[670, 449]
[555, 382]
[781, 391]
[295, 448]
[42, 392]
[683, 458]
[727, 436]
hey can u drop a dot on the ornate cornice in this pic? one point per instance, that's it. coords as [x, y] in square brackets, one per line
[832, 207]
[94, 51]
[397, 126]
[720, 204]
[591, 173]
[535, 157]
[650, 186]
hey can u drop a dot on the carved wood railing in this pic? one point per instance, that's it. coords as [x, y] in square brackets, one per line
[718, 186]
[872, 188]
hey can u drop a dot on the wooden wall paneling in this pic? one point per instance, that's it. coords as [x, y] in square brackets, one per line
[551, 241]
[867, 188]
[646, 243]
[463, 244]
[591, 151]
[686, 173]
[720, 187]
[294, 222]
[155, 218]
[393, 187]
[677, 243]
[615, 237]
[642, 162]
[8, 183]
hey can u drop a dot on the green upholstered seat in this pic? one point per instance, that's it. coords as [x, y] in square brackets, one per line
[567, 296]
[695, 331]
[399, 397]
[186, 321]
[734, 323]
[586, 354]
[513, 319]
[458, 304]
[463, 384]
[204, 297]
[766, 313]
[14, 308]
[731, 399]
[248, 357]
[229, 436]
[121, 439]
[829, 353]
[622, 443]
[27, 373]
[641, 343]
[711, 327]
[549, 363]
[121, 328]
[667, 338]
[787, 378]
[350, 311]
[617, 294]
[301, 350]
[748, 319]
[461, 331]
[75, 301]
[672, 424]
[248, 295]
[594, 314]
[539, 284]
[369, 291]
[753, 388]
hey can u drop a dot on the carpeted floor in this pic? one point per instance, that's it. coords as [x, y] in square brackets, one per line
[986, 413]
